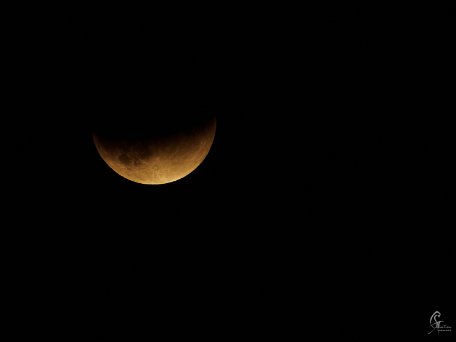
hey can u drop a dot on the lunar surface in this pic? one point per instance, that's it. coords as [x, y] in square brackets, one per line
[159, 158]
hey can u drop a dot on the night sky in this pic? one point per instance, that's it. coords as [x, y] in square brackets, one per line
[325, 205]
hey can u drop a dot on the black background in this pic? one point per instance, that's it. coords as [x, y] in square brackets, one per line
[324, 207]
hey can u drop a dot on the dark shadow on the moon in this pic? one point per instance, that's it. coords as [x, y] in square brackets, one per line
[151, 126]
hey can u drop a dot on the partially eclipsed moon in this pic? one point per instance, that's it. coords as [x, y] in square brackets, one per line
[158, 159]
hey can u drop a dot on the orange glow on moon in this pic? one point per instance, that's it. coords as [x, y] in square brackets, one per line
[158, 160]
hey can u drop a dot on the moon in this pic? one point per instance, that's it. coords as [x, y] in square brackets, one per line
[160, 156]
